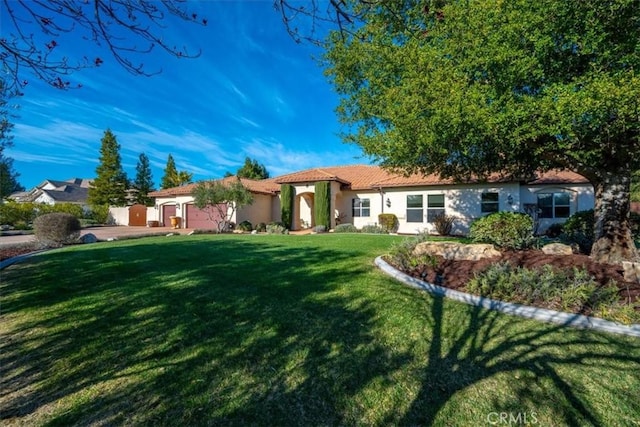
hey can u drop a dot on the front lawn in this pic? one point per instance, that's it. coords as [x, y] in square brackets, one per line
[283, 330]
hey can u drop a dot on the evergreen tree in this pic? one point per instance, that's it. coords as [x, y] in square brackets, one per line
[144, 181]
[109, 186]
[252, 170]
[8, 176]
[174, 178]
[170, 177]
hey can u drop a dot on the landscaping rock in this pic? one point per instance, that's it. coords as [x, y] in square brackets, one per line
[631, 271]
[88, 238]
[191, 233]
[557, 249]
[457, 251]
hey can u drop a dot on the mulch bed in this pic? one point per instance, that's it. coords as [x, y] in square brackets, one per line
[10, 251]
[455, 274]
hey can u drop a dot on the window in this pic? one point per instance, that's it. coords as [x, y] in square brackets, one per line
[360, 207]
[435, 206]
[489, 203]
[554, 205]
[414, 208]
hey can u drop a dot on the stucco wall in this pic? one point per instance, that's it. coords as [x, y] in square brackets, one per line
[582, 199]
[259, 211]
[461, 202]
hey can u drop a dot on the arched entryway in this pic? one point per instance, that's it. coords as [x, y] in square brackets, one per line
[304, 215]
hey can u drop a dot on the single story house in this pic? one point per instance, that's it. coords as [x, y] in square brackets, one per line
[359, 193]
[50, 192]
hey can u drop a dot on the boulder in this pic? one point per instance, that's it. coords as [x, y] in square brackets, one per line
[457, 251]
[631, 271]
[88, 238]
[557, 249]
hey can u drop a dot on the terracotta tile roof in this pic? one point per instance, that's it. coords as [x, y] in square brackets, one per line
[264, 186]
[367, 177]
[559, 177]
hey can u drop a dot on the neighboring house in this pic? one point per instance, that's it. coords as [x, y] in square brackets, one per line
[73, 190]
[360, 193]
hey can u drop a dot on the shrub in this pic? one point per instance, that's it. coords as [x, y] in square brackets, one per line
[346, 228]
[261, 227]
[12, 213]
[507, 230]
[402, 253]
[287, 196]
[322, 205]
[276, 228]
[388, 222]
[56, 228]
[320, 229]
[443, 224]
[578, 229]
[245, 226]
[70, 208]
[558, 289]
[99, 214]
[554, 231]
[373, 229]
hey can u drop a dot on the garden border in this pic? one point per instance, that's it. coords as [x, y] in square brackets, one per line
[541, 314]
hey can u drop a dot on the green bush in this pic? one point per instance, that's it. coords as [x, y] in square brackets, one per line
[554, 230]
[388, 222]
[276, 228]
[245, 226]
[99, 214]
[261, 227]
[287, 197]
[443, 224]
[373, 229]
[578, 230]
[506, 230]
[322, 205]
[402, 253]
[346, 228]
[70, 208]
[14, 213]
[559, 290]
[56, 228]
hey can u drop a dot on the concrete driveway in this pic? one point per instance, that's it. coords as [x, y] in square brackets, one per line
[102, 233]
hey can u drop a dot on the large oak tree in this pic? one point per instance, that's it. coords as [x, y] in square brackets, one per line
[466, 88]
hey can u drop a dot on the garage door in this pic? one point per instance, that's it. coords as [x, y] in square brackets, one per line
[167, 211]
[199, 218]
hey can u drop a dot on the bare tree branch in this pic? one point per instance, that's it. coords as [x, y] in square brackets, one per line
[126, 28]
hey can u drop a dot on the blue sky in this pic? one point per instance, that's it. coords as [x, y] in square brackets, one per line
[253, 92]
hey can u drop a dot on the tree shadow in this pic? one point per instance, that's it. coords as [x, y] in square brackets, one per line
[261, 333]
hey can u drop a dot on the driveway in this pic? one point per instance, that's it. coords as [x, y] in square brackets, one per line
[102, 233]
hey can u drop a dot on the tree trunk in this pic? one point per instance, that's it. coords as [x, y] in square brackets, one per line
[613, 242]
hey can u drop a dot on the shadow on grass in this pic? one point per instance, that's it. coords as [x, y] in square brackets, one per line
[237, 332]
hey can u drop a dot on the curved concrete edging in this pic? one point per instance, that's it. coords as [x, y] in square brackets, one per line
[541, 314]
[10, 261]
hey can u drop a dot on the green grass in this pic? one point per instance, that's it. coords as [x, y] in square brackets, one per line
[282, 330]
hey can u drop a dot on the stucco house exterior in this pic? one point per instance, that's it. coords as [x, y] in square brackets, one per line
[359, 193]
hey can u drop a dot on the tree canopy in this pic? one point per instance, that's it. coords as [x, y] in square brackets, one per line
[174, 178]
[221, 199]
[8, 175]
[110, 185]
[252, 169]
[143, 182]
[34, 31]
[468, 88]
